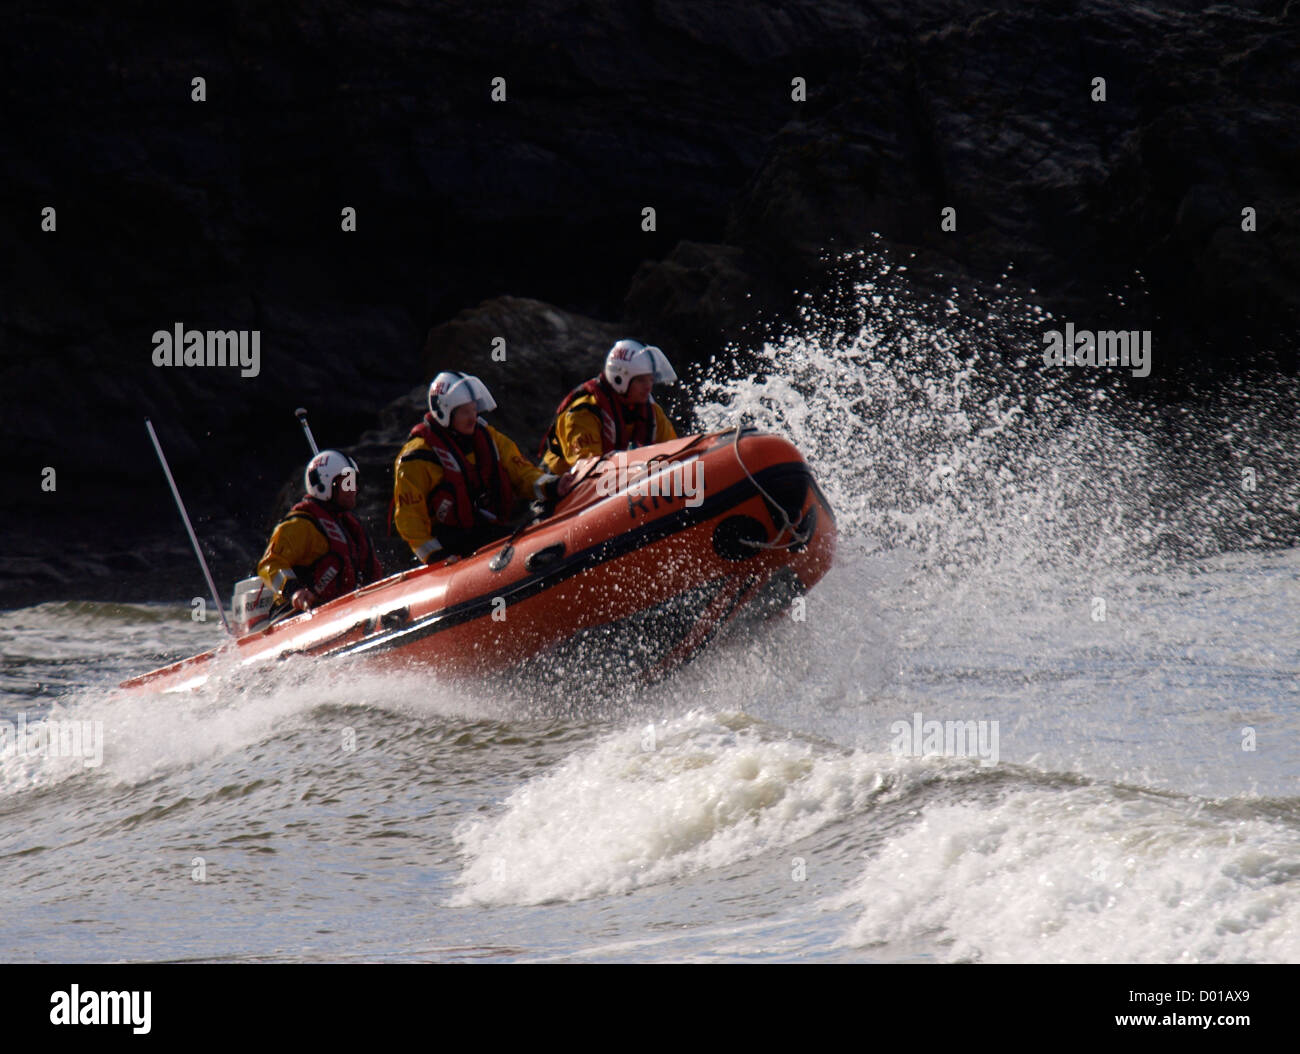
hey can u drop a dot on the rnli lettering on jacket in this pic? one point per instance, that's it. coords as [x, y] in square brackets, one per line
[465, 487]
[350, 561]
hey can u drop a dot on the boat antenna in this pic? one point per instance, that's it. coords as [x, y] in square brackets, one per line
[301, 414]
[186, 518]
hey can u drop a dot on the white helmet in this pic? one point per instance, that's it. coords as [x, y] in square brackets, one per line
[450, 390]
[631, 358]
[324, 469]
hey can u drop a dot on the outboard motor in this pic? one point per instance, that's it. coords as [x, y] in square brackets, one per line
[251, 605]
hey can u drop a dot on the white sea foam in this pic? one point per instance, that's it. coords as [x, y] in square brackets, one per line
[144, 735]
[650, 804]
[1087, 875]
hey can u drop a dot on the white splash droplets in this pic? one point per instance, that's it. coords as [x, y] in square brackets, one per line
[937, 429]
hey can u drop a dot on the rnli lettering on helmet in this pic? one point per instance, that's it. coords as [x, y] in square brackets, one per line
[213, 347]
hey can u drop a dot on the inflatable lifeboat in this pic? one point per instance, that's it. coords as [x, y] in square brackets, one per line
[638, 567]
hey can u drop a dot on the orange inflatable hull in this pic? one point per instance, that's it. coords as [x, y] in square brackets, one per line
[650, 554]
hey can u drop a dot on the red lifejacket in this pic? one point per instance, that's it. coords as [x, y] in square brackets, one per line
[621, 426]
[465, 487]
[351, 560]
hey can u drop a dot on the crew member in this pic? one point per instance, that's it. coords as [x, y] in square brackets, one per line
[615, 410]
[457, 477]
[320, 550]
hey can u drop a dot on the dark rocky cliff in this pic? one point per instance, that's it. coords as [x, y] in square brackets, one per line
[225, 214]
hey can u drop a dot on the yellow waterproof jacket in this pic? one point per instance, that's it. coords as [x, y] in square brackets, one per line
[294, 543]
[578, 433]
[320, 547]
[415, 478]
